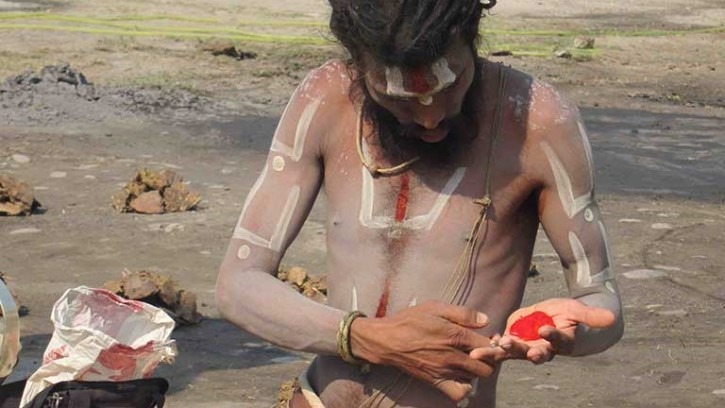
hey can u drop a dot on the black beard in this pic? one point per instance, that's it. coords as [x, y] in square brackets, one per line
[400, 143]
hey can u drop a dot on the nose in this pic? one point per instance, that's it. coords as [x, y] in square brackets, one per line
[430, 118]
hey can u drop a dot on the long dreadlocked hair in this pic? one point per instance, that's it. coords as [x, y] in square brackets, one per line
[404, 33]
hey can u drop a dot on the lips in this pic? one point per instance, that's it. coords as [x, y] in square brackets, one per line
[434, 135]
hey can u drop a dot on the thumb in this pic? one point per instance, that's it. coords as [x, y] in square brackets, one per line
[457, 391]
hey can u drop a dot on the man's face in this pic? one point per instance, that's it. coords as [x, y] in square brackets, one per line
[427, 100]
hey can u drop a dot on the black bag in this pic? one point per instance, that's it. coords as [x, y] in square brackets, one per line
[146, 393]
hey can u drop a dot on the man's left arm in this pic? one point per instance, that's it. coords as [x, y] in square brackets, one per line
[573, 223]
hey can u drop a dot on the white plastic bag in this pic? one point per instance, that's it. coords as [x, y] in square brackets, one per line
[100, 336]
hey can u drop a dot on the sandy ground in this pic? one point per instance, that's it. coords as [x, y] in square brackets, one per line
[651, 95]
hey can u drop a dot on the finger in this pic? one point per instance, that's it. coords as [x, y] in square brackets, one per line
[455, 390]
[560, 340]
[467, 340]
[539, 355]
[595, 317]
[477, 367]
[460, 315]
[507, 349]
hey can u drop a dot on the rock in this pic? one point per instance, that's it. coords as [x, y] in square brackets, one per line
[174, 226]
[563, 54]
[23, 231]
[19, 158]
[297, 276]
[157, 180]
[630, 220]
[551, 387]
[661, 226]
[149, 202]
[58, 174]
[644, 274]
[285, 393]
[158, 290]
[16, 198]
[229, 50]
[177, 198]
[584, 43]
[673, 313]
[314, 287]
[162, 191]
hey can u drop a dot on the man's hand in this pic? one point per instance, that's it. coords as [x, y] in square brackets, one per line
[567, 314]
[431, 342]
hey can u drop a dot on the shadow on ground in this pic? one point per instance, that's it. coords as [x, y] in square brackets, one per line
[646, 153]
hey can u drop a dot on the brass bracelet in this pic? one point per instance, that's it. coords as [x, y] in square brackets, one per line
[343, 338]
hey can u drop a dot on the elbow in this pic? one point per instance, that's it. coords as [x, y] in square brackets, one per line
[618, 329]
[224, 297]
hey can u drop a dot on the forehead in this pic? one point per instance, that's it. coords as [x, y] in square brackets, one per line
[405, 81]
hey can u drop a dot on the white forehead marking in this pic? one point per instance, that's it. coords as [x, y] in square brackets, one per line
[276, 240]
[572, 205]
[609, 286]
[278, 163]
[440, 69]
[425, 221]
[588, 215]
[303, 127]
[244, 252]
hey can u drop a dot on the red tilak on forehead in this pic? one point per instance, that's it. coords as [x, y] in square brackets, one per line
[418, 81]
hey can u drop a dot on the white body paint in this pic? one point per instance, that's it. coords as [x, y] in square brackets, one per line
[278, 163]
[441, 71]
[572, 205]
[294, 152]
[253, 192]
[275, 241]
[244, 252]
[425, 221]
[354, 305]
[584, 276]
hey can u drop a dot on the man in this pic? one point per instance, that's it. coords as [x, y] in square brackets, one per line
[438, 167]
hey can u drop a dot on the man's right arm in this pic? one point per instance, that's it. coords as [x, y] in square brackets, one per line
[248, 294]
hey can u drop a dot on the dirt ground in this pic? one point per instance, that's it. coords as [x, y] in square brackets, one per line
[651, 93]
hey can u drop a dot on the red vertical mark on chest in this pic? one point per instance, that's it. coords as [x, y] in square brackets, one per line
[383, 302]
[401, 206]
[418, 81]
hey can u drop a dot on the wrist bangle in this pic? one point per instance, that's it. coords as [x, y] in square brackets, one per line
[343, 338]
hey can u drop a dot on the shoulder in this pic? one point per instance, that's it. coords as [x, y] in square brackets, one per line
[330, 82]
[555, 139]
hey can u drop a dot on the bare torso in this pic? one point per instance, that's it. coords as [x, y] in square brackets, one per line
[394, 241]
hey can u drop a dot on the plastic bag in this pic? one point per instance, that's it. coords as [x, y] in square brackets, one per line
[100, 336]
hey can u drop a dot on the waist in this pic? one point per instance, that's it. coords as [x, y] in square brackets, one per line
[340, 385]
